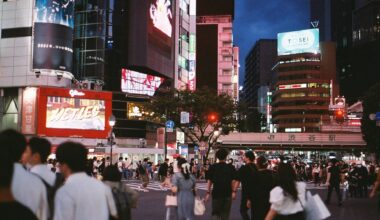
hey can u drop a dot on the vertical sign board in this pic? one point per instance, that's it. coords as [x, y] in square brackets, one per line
[28, 122]
[160, 137]
[53, 35]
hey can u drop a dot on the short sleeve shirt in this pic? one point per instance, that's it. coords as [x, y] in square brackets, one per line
[222, 175]
[335, 174]
[244, 175]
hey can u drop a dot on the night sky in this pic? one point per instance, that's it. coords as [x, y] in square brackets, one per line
[263, 19]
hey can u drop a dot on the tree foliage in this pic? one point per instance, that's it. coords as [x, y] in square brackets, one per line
[371, 132]
[167, 104]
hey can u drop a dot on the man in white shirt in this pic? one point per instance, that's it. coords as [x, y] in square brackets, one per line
[27, 188]
[35, 157]
[81, 197]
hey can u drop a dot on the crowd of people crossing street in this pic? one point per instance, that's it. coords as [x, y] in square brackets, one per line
[75, 187]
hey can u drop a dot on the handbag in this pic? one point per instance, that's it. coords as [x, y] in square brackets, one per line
[171, 200]
[199, 206]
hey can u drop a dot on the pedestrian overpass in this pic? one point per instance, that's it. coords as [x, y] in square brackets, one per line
[296, 141]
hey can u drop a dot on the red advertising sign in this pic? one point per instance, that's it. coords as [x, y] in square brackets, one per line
[74, 113]
[28, 122]
[139, 83]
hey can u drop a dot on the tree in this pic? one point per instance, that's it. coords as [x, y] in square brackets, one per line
[211, 115]
[371, 132]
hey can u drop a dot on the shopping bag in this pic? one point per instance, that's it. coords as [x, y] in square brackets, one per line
[199, 206]
[171, 200]
[311, 213]
[322, 209]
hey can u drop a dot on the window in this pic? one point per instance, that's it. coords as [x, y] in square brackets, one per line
[226, 72]
[227, 58]
[16, 32]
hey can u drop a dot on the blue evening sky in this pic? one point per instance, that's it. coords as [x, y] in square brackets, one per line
[263, 19]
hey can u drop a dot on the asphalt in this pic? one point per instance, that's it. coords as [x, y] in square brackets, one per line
[151, 205]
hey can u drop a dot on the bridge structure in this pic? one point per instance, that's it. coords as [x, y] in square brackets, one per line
[293, 141]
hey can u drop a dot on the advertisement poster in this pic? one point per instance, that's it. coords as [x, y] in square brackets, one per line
[160, 25]
[53, 35]
[139, 83]
[74, 113]
[304, 41]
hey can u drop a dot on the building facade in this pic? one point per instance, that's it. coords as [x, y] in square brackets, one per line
[217, 58]
[306, 82]
[259, 77]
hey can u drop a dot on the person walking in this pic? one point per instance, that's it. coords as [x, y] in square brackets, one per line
[333, 181]
[10, 209]
[144, 175]
[27, 188]
[163, 173]
[81, 197]
[183, 183]
[125, 198]
[288, 198]
[260, 185]
[35, 157]
[244, 174]
[222, 177]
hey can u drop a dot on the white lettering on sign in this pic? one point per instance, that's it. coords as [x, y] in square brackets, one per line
[66, 114]
[74, 92]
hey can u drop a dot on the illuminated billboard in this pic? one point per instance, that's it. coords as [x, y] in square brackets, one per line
[161, 16]
[53, 35]
[75, 113]
[304, 41]
[151, 41]
[139, 83]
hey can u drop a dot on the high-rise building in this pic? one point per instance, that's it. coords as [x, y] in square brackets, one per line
[305, 69]
[259, 77]
[185, 71]
[215, 51]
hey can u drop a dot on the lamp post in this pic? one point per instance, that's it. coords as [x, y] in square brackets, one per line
[111, 122]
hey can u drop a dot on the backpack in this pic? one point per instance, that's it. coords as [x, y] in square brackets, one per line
[141, 170]
[122, 203]
[52, 190]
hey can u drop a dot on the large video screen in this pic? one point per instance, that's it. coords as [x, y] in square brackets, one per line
[75, 113]
[304, 41]
[53, 35]
[161, 16]
[139, 83]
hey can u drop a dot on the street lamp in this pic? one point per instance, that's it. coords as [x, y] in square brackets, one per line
[111, 122]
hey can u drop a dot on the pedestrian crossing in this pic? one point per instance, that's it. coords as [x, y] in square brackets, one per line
[156, 186]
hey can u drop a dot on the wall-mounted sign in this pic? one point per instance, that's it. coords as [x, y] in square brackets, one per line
[28, 123]
[304, 41]
[139, 83]
[293, 86]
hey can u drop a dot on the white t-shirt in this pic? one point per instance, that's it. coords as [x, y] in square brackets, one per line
[285, 205]
[83, 197]
[45, 173]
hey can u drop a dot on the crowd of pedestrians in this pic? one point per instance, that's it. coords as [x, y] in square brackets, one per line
[68, 188]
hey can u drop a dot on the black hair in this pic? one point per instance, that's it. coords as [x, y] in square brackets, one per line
[221, 154]
[120, 158]
[6, 170]
[40, 146]
[14, 143]
[261, 162]
[185, 174]
[112, 173]
[287, 180]
[250, 155]
[73, 155]
[145, 159]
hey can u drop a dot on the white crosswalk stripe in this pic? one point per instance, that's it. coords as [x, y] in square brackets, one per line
[155, 186]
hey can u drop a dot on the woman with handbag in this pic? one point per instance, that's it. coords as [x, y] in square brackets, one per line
[288, 198]
[184, 185]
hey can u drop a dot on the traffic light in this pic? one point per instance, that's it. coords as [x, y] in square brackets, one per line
[212, 117]
[339, 116]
